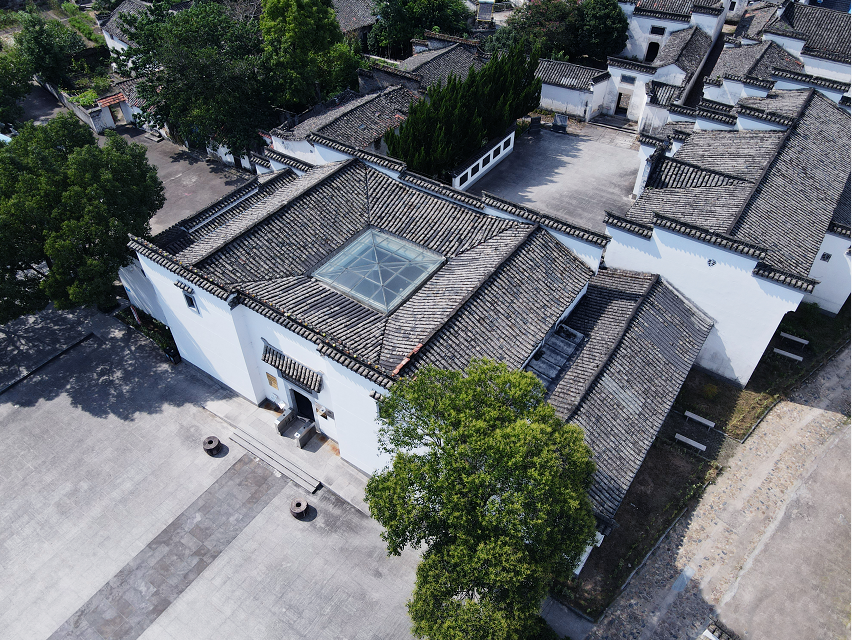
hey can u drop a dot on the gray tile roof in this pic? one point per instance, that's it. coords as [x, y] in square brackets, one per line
[826, 33]
[283, 158]
[840, 221]
[686, 49]
[816, 81]
[128, 88]
[756, 61]
[672, 9]
[570, 76]
[353, 14]
[436, 66]
[265, 251]
[755, 18]
[641, 339]
[291, 370]
[357, 123]
[661, 93]
[113, 26]
[770, 194]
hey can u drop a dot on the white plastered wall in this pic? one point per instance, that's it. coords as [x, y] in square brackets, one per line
[731, 91]
[572, 102]
[207, 337]
[833, 275]
[140, 291]
[827, 68]
[746, 309]
[785, 84]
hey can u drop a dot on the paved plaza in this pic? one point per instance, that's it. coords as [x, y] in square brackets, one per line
[574, 177]
[116, 524]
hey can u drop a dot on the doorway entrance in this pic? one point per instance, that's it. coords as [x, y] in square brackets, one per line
[304, 406]
[653, 50]
[623, 104]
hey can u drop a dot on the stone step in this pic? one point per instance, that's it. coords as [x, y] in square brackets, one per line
[275, 459]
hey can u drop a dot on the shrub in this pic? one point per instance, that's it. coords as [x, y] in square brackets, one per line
[710, 391]
[101, 84]
[86, 99]
[70, 9]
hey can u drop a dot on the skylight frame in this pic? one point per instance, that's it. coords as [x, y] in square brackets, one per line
[379, 270]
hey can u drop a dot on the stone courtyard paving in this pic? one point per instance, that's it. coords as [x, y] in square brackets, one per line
[714, 562]
[114, 523]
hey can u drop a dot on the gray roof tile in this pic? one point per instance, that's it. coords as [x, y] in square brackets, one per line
[570, 76]
[353, 14]
[291, 370]
[826, 33]
[436, 66]
[686, 49]
[755, 61]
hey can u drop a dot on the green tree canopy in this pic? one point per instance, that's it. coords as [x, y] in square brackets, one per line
[66, 207]
[46, 46]
[487, 477]
[309, 58]
[604, 29]
[201, 72]
[462, 115]
[566, 30]
[398, 21]
[15, 76]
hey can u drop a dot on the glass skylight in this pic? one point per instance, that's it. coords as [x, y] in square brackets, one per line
[379, 270]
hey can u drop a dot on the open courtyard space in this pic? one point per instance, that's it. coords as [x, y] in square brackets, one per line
[116, 524]
[574, 177]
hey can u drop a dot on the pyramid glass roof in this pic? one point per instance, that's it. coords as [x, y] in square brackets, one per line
[379, 270]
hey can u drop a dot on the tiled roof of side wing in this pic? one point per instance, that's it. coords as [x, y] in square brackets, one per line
[537, 283]
[570, 76]
[673, 8]
[826, 33]
[754, 61]
[436, 66]
[686, 49]
[754, 20]
[661, 93]
[356, 123]
[793, 205]
[114, 25]
[353, 14]
[631, 394]
[806, 78]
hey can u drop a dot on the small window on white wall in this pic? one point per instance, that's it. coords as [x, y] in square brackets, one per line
[658, 31]
[190, 302]
[825, 257]
[628, 79]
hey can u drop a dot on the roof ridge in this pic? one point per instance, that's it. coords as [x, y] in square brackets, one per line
[624, 328]
[544, 219]
[525, 234]
[781, 144]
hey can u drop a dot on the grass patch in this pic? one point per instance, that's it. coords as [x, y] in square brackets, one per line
[735, 410]
[150, 327]
[668, 480]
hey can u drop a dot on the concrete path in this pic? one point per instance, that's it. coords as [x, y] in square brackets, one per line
[744, 552]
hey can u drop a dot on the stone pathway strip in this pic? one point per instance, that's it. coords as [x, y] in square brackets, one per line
[136, 596]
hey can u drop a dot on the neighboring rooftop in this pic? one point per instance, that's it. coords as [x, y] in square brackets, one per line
[353, 15]
[685, 49]
[753, 21]
[826, 33]
[570, 76]
[754, 62]
[630, 343]
[113, 26]
[436, 66]
[773, 192]
[358, 122]
[677, 10]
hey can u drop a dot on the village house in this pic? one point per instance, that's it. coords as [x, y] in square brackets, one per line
[318, 291]
[786, 47]
[638, 91]
[745, 210]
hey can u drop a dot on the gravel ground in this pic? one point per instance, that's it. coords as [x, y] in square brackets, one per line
[696, 567]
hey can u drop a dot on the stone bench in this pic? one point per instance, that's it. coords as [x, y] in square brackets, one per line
[787, 354]
[691, 416]
[688, 441]
[796, 339]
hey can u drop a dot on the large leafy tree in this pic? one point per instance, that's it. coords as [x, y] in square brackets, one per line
[202, 73]
[566, 30]
[15, 76]
[309, 57]
[46, 46]
[398, 21]
[66, 207]
[604, 29]
[494, 485]
[462, 115]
